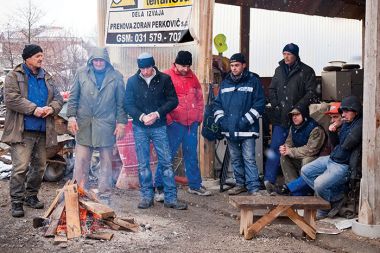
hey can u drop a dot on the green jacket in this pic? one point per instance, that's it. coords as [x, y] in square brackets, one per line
[18, 105]
[97, 111]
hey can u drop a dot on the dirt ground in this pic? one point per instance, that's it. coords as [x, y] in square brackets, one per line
[209, 225]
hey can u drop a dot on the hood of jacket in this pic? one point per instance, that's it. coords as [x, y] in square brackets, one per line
[99, 53]
[351, 103]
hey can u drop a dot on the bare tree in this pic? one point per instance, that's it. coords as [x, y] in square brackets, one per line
[29, 18]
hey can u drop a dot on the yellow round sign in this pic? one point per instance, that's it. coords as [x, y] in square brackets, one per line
[220, 43]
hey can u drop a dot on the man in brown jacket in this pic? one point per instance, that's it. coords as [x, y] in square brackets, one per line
[303, 144]
[31, 101]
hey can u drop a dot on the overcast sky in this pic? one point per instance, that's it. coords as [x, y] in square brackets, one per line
[78, 16]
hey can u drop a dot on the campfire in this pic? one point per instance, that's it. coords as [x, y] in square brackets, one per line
[76, 212]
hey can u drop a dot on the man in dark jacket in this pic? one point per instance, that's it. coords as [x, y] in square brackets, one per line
[96, 117]
[293, 84]
[32, 100]
[150, 96]
[238, 107]
[328, 175]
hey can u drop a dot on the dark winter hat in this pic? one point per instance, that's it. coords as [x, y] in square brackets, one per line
[291, 48]
[184, 58]
[30, 50]
[239, 57]
[145, 60]
[350, 103]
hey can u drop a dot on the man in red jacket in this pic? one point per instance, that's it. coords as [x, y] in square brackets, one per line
[183, 123]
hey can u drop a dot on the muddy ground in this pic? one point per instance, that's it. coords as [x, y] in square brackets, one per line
[209, 225]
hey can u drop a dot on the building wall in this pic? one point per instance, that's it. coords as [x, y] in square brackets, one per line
[320, 39]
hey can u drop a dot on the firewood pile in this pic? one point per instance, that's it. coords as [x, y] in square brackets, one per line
[76, 212]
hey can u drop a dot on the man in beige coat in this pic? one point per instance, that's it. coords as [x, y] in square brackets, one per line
[31, 100]
[303, 144]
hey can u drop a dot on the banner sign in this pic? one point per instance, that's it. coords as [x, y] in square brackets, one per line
[147, 22]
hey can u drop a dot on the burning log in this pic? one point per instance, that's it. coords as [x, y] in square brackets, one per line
[75, 212]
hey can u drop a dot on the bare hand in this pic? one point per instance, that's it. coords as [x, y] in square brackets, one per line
[72, 126]
[150, 119]
[284, 150]
[38, 112]
[119, 131]
[47, 111]
[333, 127]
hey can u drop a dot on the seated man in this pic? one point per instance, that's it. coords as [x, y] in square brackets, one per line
[298, 187]
[303, 144]
[328, 175]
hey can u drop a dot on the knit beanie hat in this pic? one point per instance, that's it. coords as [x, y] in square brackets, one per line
[291, 48]
[184, 58]
[145, 60]
[30, 50]
[239, 57]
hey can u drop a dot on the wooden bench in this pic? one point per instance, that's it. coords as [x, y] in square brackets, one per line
[278, 205]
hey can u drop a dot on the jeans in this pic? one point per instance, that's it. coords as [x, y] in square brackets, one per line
[82, 165]
[298, 187]
[31, 150]
[159, 138]
[272, 165]
[188, 136]
[327, 178]
[243, 162]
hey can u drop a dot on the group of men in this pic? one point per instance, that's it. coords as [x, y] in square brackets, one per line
[167, 108]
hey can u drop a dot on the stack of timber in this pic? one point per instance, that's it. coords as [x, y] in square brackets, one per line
[76, 212]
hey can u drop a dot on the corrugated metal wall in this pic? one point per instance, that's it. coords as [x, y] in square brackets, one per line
[320, 39]
[124, 58]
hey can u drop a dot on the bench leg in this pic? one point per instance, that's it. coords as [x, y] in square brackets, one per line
[265, 220]
[302, 223]
[246, 219]
[309, 216]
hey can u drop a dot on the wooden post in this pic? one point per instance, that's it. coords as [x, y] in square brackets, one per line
[206, 148]
[102, 16]
[245, 17]
[369, 206]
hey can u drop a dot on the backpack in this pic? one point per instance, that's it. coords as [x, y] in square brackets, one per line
[210, 130]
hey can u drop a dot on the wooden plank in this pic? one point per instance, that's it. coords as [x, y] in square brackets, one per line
[204, 71]
[56, 200]
[112, 225]
[134, 227]
[264, 202]
[309, 216]
[100, 236]
[59, 239]
[245, 21]
[72, 211]
[98, 208]
[246, 220]
[54, 220]
[297, 219]
[255, 228]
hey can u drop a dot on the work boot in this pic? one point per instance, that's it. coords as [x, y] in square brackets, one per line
[159, 195]
[176, 205]
[254, 193]
[271, 188]
[202, 191]
[283, 190]
[33, 202]
[145, 203]
[17, 210]
[335, 207]
[237, 190]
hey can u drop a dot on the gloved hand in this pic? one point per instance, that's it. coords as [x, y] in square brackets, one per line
[243, 124]
[223, 124]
